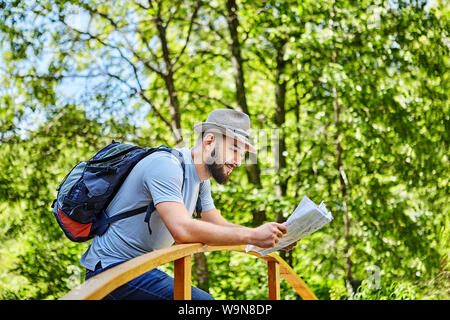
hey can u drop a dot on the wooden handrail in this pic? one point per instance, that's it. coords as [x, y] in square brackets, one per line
[105, 282]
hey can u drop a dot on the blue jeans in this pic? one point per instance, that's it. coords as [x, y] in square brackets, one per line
[152, 285]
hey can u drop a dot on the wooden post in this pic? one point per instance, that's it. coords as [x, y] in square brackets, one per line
[182, 279]
[273, 270]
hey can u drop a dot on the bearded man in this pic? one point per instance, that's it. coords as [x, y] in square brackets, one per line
[176, 193]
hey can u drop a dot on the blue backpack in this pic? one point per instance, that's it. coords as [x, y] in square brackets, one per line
[86, 191]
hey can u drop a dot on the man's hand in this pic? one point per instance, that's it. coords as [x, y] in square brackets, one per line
[268, 235]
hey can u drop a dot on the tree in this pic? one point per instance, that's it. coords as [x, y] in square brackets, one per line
[357, 91]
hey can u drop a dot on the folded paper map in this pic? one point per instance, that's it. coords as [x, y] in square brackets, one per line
[306, 219]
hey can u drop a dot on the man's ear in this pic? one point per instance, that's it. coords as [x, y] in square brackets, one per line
[209, 141]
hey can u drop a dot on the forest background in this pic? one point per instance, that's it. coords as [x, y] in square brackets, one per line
[348, 101]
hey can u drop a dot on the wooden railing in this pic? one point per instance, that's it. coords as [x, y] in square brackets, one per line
[105, 282]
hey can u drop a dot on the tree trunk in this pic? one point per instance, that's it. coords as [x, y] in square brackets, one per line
[344, 185]
[170, 83]
[297, 127]
[343, 189]
[280, 117]
[201, 272]
[279, 120]
[200, 263]
[236, 59]
[253, 170]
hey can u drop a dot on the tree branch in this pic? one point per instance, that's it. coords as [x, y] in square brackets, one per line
[140, 5]
[172, 14]
[154, 109]
[117, 29]
[298, 97]
[191, 23]
[209, 98]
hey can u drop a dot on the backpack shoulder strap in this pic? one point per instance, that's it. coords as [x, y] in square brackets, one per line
[151, 207]
[198, 206]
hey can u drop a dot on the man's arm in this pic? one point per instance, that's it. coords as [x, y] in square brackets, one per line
[184, 229]
[215, 217]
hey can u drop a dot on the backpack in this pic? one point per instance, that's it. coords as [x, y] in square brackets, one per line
[86, 191]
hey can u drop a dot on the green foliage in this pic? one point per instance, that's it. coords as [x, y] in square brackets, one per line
[365, 83]
[387, 291]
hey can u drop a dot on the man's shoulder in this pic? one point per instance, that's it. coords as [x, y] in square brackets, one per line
[160, 162]
[172, 157]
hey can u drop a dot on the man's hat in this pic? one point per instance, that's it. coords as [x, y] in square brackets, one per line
[232, 123]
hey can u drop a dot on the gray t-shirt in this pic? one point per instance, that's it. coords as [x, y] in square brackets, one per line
[157, 177]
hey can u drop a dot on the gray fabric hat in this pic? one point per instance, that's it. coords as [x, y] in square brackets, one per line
[232, 123]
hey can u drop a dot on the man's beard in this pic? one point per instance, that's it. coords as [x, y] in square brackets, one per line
[217, 170]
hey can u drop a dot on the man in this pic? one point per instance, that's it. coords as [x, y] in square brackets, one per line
[223, 140]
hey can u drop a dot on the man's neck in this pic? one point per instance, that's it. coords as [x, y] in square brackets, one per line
[200, 166]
